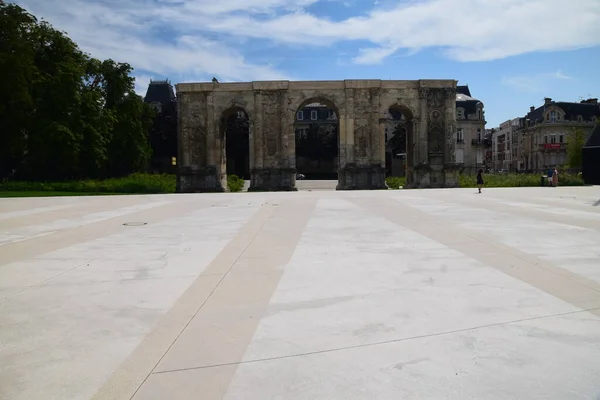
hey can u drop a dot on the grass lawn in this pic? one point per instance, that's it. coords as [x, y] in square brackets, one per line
[5, 194]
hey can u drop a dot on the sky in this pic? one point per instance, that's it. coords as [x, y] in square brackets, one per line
[511, 53]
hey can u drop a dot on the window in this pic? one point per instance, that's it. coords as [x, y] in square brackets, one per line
[479, 135]
[313, 115]
[479, 114]
[460, 156]
[552, 116]
[460, 136]
[460, 113]
[545, 138]
[553, 139]
[300, 115]
[561, 138]
[479, 157]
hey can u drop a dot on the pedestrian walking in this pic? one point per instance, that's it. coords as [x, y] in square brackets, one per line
[549, 176]
[480, 181]
[555, 177]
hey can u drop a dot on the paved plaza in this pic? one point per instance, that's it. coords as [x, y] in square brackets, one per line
[422, 294]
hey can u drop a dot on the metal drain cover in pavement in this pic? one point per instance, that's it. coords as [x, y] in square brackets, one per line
[135, 223]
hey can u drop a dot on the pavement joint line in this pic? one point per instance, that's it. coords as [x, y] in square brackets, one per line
[249, 242]
[39, 245]
[526, 257]
[379, 343]
[411, 221]
[46, 280]
[500, 207]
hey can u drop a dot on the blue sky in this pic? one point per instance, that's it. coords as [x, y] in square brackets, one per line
[511, 53]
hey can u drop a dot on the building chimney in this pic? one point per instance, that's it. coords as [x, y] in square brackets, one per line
[547, 100]
[532, 109]
[589, 101]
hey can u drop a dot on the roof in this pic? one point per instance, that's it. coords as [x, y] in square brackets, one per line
[159, 92]
[571, 110]
[463, 90]
[465, 101]
[594, 139]
[464, 97]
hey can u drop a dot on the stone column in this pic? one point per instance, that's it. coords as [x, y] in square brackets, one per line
[451, 168]
[346, 149]
[215, 144]
[183, 157]
[273, 172]
[421, 169]
[195, 174]
[258, 145]
[377, 143]
[367, 173]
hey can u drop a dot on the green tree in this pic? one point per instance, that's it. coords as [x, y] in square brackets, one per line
[397, 142]
[63, 114]
[575, 143]
[129, 149]
[320, 142]
[17, 67]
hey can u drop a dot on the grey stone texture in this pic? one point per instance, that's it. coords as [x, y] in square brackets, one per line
[361, 106]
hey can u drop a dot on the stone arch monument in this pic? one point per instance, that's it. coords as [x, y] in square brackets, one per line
[271, 108]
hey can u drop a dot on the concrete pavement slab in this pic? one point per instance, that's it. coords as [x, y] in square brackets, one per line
[307, 295]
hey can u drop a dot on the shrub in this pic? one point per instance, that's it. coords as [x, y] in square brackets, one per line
[235, 183]
[518, 180]
[134, 184]
[395, 182]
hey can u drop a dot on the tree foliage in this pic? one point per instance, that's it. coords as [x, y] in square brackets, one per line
[397, 142]
[63, 114]
[575, 143]
[319, 143]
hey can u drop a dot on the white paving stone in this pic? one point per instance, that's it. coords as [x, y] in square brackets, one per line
[308, 295]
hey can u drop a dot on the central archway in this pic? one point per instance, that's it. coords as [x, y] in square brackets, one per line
[235, 127]
[399, 140]
[316, 128]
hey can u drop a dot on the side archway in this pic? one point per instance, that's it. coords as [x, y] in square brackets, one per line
[234, 126]
[316, 128]
[399, 141]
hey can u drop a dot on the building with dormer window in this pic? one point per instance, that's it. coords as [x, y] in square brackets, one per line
[471, 140]
[163, 134]
[545, 130]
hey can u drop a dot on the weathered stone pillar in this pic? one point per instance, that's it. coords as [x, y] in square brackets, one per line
[363, 169]
[346, 149]
[451, 168]
[421, 169]
[376, 143]
[215, 141]
[194, 173]
[272, 170]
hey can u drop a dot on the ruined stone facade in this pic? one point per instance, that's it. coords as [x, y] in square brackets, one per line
[361, 105]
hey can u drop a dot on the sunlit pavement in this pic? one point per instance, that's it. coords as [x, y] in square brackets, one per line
[428, 294]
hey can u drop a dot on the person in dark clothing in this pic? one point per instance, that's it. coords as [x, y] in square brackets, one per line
[480, 182]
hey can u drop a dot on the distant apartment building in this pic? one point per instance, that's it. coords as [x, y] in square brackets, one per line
[472, 143]
[505, 146]
[314, 113]
[539, 140]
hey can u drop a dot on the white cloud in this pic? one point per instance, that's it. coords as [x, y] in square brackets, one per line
[374, 55]
[469, 30]
[198, 39]
[535, 83]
